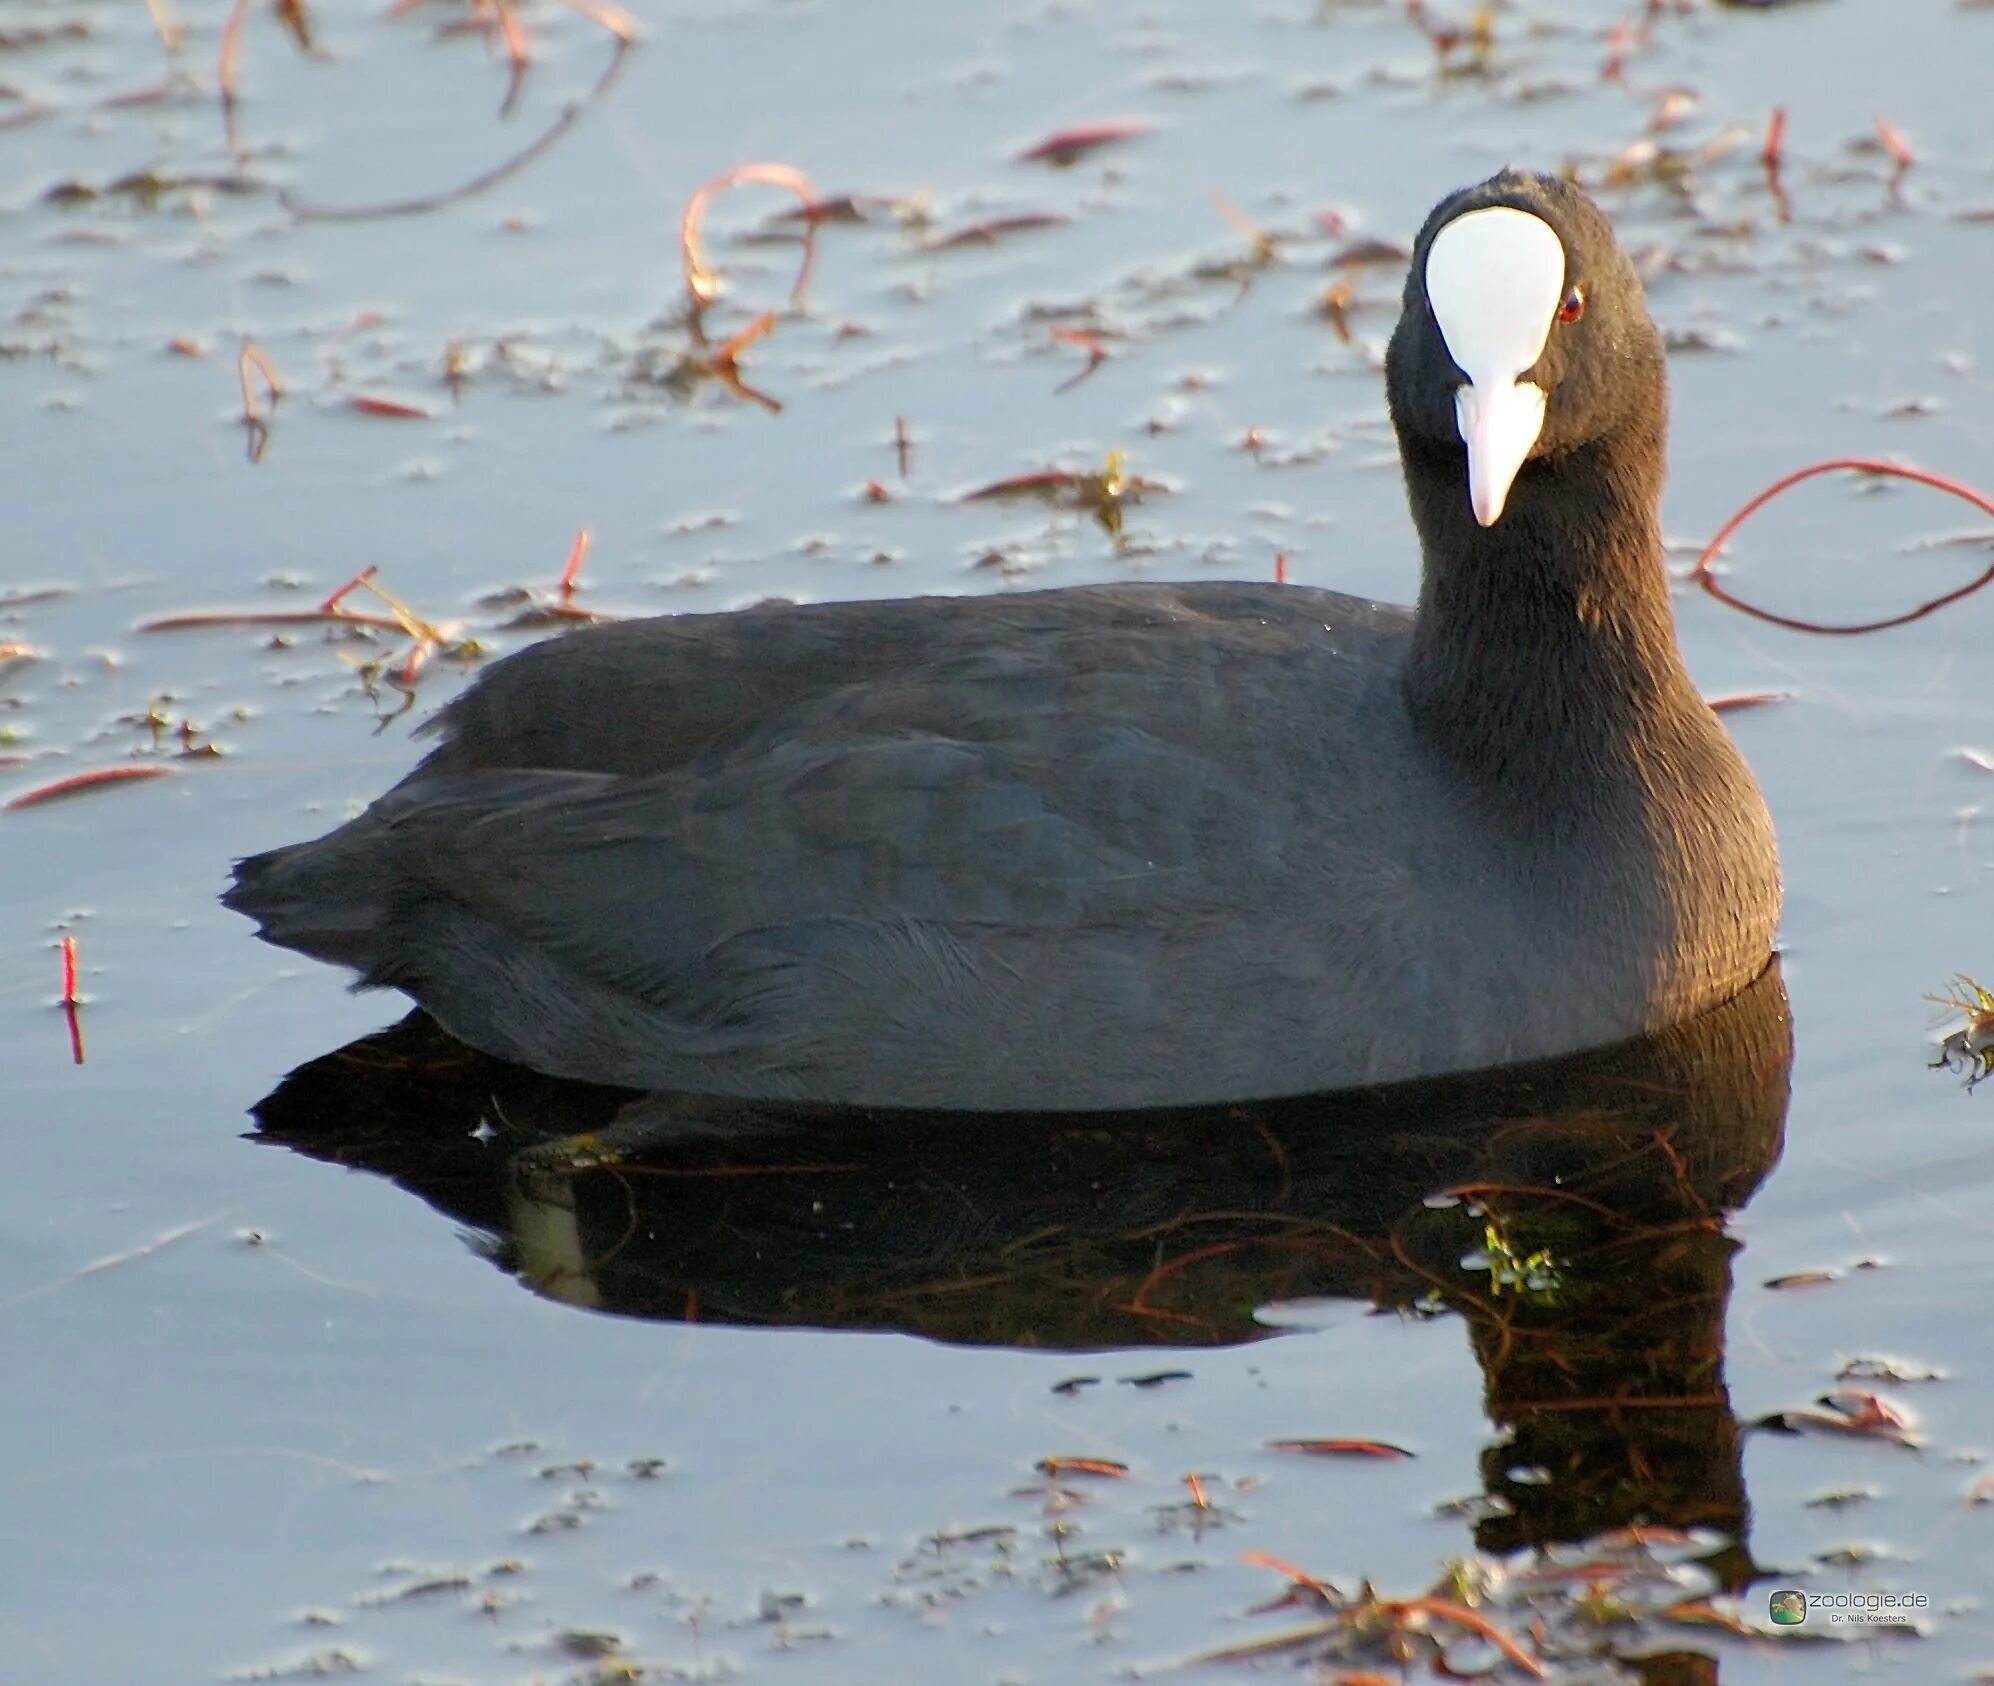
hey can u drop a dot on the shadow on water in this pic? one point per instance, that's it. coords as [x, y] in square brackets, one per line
[1571, 1213]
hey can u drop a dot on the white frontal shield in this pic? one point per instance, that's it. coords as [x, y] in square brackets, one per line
[1495, 278]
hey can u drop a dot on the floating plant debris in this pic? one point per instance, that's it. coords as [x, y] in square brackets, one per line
[1069, 146]
[1971, 1047]
[1340, 1448]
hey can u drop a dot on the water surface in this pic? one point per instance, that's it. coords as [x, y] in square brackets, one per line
[254, 1401]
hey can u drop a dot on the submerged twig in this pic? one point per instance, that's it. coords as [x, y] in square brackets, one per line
[518, 53]
[616, 22]
[722, 365]
[112, 1261]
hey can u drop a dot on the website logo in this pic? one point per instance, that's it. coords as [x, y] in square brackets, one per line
[1789, 1608]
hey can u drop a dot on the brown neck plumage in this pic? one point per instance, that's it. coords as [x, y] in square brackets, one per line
[1548, 638]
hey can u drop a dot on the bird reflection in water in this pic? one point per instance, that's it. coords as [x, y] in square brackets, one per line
[1572, 1214]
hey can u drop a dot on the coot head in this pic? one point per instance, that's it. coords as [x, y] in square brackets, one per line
[1525, 337]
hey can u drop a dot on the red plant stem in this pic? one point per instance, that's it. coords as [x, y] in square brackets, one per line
[518, 51]
[1732, 701]
[1701, 573]
[83, 781]
[700, 280]
[252, 357]
[1461, 1616]
[205, 619]
[1340, 1448]
[331, 604]
[411, 665]
[612, 18]
[231, 44]
[1084, 1466]
[391, 408]
[1775, 147]
[1301, 1577]
[69, 996]
[1895, 144]
[572, 573]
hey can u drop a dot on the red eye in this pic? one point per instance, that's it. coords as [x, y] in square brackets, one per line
[1574, 305]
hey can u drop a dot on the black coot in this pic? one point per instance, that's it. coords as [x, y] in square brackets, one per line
[1124, 845]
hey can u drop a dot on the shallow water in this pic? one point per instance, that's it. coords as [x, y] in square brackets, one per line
[244, 1387]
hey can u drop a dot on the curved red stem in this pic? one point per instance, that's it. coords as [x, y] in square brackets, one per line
[1701, 574]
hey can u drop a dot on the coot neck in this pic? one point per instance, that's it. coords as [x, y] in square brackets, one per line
[1547, 640]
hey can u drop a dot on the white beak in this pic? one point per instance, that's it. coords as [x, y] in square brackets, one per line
[1499, 425]
[1494, 278]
